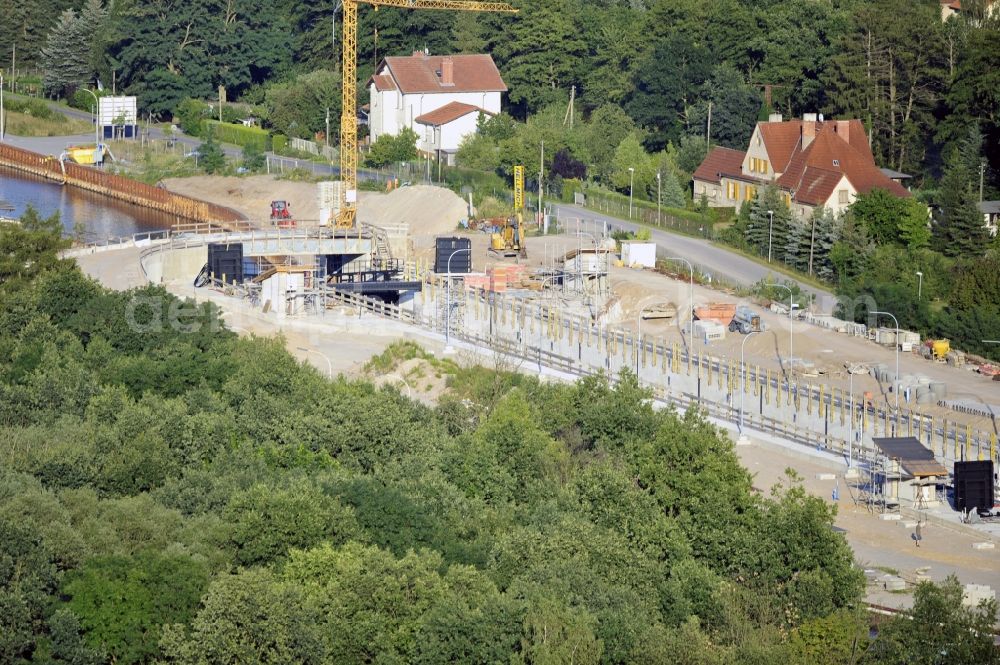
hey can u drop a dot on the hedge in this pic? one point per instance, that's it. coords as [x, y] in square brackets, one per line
[238, 134]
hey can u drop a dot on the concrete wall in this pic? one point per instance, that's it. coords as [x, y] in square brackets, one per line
[175, 265]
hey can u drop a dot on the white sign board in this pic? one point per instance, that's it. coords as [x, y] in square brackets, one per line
[115, 108]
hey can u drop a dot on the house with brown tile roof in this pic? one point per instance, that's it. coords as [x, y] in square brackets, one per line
[439, 97]
[813, 162]
[951, 7]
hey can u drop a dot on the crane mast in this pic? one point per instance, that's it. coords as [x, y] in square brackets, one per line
[349, 87]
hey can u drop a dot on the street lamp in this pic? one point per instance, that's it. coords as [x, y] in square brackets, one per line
[691, 289]
[1, 106]
[329, 365]
[920, 283]
[658, 182]
[447, 310]
[895, 388]
[791, 339]
[770, 233]
[743, 370]
[631, 180]
[97, 104]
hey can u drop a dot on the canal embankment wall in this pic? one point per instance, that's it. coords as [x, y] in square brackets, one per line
[121, 188]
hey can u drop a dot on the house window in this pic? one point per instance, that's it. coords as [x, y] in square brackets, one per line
[763, 166]
[788, 200]
[836, 162]
[749, 191]
[732, 190]
[842, 197]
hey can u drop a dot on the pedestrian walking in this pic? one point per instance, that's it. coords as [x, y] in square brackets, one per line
[917, 536]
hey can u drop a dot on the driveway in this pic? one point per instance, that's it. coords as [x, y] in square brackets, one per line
[716, 261]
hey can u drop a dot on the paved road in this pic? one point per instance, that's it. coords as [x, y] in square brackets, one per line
[706, 257]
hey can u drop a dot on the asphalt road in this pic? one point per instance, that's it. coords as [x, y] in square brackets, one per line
[707, 258]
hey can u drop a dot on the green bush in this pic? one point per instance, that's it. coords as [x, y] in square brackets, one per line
[238, 134]
[279, 143]
[83, 100]
[190, 114]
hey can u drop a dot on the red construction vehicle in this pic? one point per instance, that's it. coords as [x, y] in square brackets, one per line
[281, 214]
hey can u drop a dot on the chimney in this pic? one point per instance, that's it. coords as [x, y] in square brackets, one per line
[447, 71]
[774, 117]
[843, 129]
[808, 129]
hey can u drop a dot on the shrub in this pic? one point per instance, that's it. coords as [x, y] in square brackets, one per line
[238, 134]
[190, 114]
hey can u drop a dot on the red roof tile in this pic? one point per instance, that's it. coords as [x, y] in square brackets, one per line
[720, 162]
[421, 73]
[448, 113]
[830, 152]
[781, 139]
[383, 82]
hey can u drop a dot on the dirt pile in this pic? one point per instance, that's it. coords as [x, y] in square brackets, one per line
[428, 210]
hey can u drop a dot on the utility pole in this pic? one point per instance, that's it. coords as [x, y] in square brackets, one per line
[569, 109]
[541, 174]
[982, 173]
[327, 126]
[708, 131]
[1, 105]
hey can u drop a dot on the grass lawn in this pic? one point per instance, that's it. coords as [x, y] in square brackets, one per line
[22, 124]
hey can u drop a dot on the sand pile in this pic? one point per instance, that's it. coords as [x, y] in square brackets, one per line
[428, 210]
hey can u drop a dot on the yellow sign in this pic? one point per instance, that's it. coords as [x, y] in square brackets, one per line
[518, 187]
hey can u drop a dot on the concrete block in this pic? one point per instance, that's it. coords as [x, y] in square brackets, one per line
[743, 440]
[985, 545]
[908, 524]
[893, 583]
[889, 517]
[826, 476]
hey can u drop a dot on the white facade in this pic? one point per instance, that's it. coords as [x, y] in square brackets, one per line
[446, 137]
[392, 110]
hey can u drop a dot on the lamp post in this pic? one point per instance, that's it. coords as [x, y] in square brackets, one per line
[895, 388]
[770, 233]
[631, 181]
[658, 183]
[1, 106]
[329, 365]
[920, 283]
[791, 339]
[691, 291]
[743, 370]
[447, 309]
[97, 104]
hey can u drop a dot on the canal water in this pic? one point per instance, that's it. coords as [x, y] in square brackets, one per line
[101, 216]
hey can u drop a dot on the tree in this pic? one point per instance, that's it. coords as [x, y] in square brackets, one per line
[768, 223]
[891, 219]
[65, 56]
[190, 114]
[939, 628]
[672, 193]
[389, 149]
[299, 107]
[211, 158]
[630, 155]
[666, 88]
[253, 158]
[565, 165]
[734, 108]
[606, 129]
[960, 230]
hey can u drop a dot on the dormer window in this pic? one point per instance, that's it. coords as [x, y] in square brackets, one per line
[836, 162]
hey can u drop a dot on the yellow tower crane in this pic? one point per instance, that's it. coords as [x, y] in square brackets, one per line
[349, 114]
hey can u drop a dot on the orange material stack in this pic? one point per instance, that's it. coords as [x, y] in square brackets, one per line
[720, 312]
[498, 278]
[476, 282]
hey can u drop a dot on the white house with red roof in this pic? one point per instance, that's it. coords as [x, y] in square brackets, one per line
[438, 97]
[812, 162]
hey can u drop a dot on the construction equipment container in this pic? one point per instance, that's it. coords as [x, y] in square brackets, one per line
[720, 312]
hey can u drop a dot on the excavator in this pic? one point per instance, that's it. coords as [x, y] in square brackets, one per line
[506, 239]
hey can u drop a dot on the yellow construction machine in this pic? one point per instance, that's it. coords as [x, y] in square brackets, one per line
[507, 239]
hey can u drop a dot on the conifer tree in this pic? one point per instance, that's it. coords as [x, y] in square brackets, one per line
[65, 56]
[960, 230]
